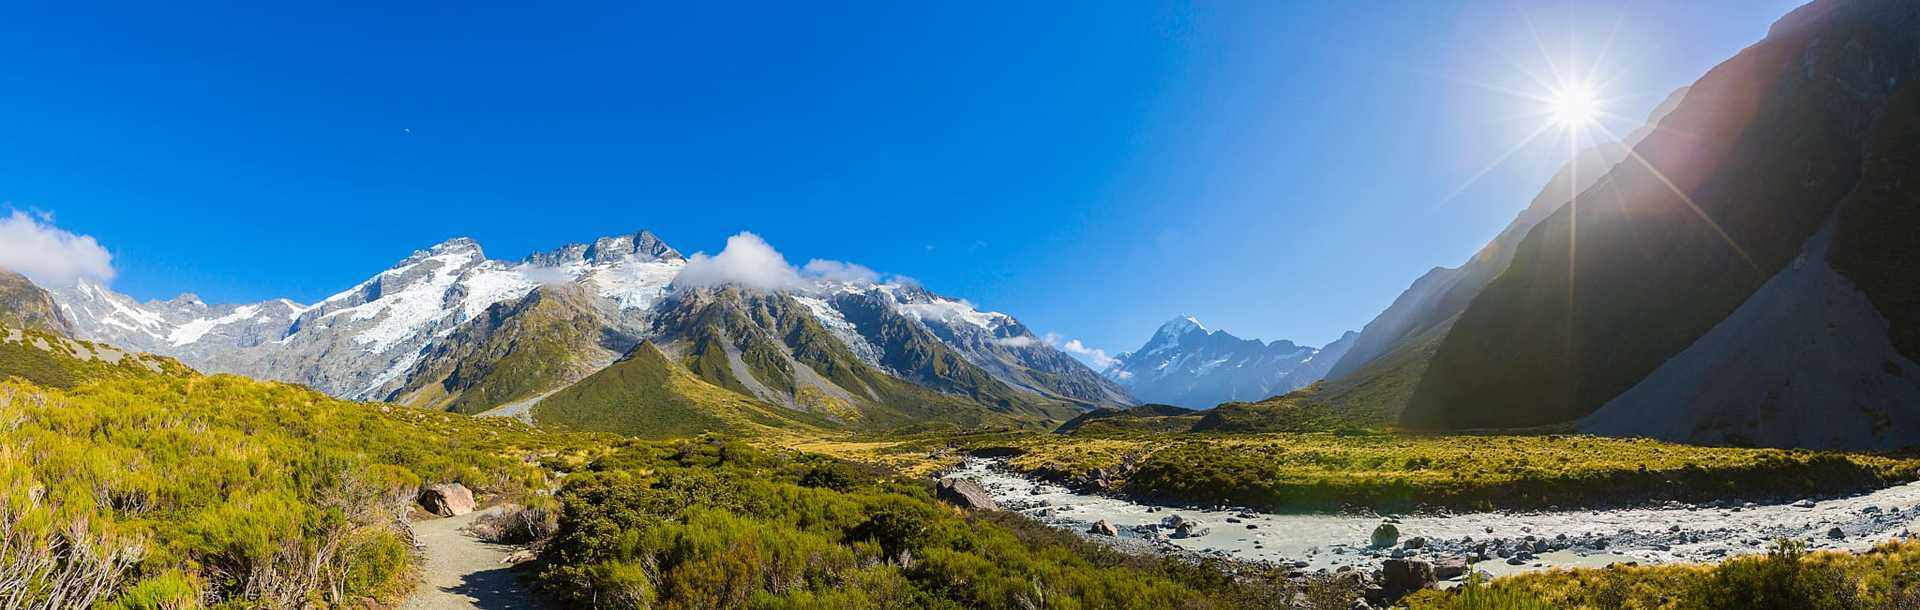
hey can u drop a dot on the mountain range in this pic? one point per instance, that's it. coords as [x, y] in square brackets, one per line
[449, 328]
[1185, 364]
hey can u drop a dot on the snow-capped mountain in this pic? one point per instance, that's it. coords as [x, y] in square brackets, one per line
[363, 342]
[432, 326]
[1185, 364]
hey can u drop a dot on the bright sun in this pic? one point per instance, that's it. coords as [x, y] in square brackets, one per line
[1573, 105]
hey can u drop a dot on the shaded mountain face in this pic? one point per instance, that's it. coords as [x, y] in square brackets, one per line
[1428, 307]
[1185, 364]
[449, 328]
[24, 305]
[1676, 245]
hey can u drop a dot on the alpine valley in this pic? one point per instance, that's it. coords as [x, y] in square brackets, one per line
[1685, 376]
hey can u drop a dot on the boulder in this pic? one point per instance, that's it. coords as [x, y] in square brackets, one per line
[1398, 577]
[1385, 535]
[965, 493]
[1102, 528]
[447, 499]
[1449, 568]
[1836, 533]
[1189, 529]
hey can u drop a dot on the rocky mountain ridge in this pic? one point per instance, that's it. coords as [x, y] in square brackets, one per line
[1187, 365]
[449, 327]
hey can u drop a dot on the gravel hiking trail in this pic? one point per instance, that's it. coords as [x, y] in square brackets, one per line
[462, 571]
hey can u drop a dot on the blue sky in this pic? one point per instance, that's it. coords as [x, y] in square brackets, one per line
[1278, 169]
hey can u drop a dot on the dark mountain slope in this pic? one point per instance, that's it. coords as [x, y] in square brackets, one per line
[1434, 299]
[1765, 145]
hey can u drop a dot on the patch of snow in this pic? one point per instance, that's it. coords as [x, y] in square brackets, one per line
[199, 327]
[634, 284]
[837, 324]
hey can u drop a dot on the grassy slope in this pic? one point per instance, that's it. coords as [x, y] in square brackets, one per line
[649, 396]
[54, 361]
[1391, 472]
[1143, 418]
[514, 351]
[233, 487]
[1786, 578]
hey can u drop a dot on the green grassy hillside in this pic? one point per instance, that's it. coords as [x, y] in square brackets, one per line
[1143, 418]
[515, 351]
[55, 361]
[170, 490]
[647, 395]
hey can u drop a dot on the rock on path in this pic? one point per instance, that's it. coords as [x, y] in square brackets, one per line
[463, 572]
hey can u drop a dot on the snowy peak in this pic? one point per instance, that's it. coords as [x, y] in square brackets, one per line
[1180, 326]
[643, 246]
[1188, 365]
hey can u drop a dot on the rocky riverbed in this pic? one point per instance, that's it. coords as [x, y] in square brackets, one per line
[1496, 542]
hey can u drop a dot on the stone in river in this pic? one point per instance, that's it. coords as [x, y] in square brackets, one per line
[1385, 535]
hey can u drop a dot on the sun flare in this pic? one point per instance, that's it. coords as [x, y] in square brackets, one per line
[1573, 105]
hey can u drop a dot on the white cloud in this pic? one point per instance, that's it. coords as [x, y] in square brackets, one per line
[1093, 356]
[545, 276]
[31, 246]
[747, 261]
[1021, 341]
[836, 271]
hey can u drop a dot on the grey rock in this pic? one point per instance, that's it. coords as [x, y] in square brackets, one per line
[1102, 528]
[965, 493]
[1398, 577]
[1385, 535]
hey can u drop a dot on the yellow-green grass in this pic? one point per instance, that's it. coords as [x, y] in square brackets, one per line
[172, 490]
[1288, 471]
[1787, 578]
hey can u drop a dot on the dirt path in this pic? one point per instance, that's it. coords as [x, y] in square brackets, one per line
[463, 572]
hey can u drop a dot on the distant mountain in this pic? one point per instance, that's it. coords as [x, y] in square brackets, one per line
[449, 328]
[1187, 365]
[1751, 282]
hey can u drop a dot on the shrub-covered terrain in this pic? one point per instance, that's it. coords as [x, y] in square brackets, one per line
[713, 524]
[1786, 578]
[1297, 471]
[180, 490]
